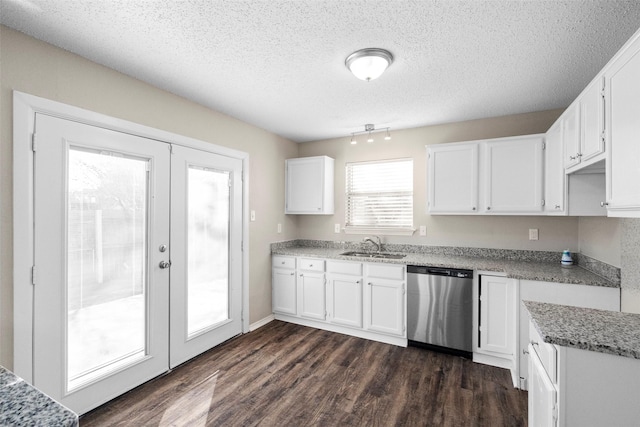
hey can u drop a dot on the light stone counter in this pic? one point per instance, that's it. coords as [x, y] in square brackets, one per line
[539, 269]
[21, 404]
[610, 332]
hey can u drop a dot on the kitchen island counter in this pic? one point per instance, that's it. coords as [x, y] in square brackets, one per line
[21, 404]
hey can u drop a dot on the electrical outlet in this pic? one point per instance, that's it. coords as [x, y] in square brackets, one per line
[279, 228]
[336, 228]
[533, 234]
[423, 230]
[253, 215]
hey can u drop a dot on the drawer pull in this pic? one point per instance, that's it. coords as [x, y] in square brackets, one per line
[534, 343]
[525, 351]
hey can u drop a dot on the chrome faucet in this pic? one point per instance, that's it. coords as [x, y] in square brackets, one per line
[378, 244]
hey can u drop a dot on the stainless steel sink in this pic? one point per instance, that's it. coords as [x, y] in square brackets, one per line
[373, 255]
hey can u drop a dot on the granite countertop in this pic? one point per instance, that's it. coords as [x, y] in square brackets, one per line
[524, 270]
[611, 332]
[21, 404]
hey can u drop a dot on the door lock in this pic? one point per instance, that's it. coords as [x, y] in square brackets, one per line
[162, 248]
[165, 264]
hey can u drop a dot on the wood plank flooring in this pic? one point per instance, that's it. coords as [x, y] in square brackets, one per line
[288, 375]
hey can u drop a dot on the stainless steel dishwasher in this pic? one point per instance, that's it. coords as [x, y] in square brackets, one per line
[440, 309]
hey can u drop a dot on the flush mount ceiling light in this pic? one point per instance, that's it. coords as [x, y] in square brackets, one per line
[369, 64]
[369, 129]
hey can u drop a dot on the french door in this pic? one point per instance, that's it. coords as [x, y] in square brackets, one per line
[137, 257]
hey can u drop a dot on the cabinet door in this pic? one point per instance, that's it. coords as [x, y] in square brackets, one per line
[344, 300]
[512, 170]
[284, 291]
[542, 395]
[497, 320]
[385, 306]
[309, 185]
[571, 135]
[311, 295]
[623, 124]
[453, 178]
[592, 121]
[554, 176]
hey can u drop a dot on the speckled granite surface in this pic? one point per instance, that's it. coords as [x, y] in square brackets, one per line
[611, 332]
[513, 264]
[23, 405]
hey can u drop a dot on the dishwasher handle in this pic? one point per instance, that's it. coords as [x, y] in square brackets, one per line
[440, 271]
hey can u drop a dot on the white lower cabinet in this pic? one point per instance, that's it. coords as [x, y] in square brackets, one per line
[363, 300]
[311, 295]
[542, 395]
[597, 297]
[344, 293]
[384, 299]
[497, 316]
[283, 281]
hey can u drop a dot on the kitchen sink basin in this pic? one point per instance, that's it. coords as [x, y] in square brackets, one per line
[373, 255]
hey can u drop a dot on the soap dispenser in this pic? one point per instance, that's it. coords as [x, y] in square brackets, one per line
[566, 261]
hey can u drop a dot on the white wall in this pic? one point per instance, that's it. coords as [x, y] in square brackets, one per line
[508, 232]
[37, 68]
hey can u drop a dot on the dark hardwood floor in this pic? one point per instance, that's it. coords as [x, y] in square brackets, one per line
[289, 375]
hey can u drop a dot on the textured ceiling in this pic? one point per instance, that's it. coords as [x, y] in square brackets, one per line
[280, 64]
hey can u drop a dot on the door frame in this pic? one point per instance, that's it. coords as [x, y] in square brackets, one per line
[25, 107]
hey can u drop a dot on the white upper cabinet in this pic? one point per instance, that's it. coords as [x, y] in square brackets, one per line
[453, 178]
[583, 128]
[513, 174]
[554, 177]
[592, 122]
[309, 185]
[501, 176]
[570, 122]
[622, 86]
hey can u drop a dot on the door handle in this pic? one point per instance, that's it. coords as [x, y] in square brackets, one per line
[165, 264]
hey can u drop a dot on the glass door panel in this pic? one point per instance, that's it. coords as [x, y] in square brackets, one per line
[208, 249]
[106, 263]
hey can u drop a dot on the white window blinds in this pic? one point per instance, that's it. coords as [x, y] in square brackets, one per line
[379, 196]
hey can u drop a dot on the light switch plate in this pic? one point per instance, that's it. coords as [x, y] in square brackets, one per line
[336, 228]
[279, 228]
[423, 230]
[533, 234]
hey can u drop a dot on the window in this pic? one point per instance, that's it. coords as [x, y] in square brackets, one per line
[379, 197]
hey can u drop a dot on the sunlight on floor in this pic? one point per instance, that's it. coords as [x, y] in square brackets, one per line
[195, 402]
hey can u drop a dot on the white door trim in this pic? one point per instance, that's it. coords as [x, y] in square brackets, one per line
[25, 107]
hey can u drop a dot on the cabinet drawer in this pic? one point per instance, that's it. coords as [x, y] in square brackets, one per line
[546, 352]
[278, 261]
[311, 264]
[386, 271]
[339, 267]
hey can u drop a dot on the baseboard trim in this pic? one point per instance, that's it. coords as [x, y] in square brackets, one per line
[261, 323]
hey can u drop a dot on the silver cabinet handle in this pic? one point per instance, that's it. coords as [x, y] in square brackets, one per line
[557, 206]
[534, 343]
[473, 208]
[525, 351]
[488, 208]
[572, 157]
[578, 154]
[283, 262]
[604, 204]
[165, 264]
[293, 274]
